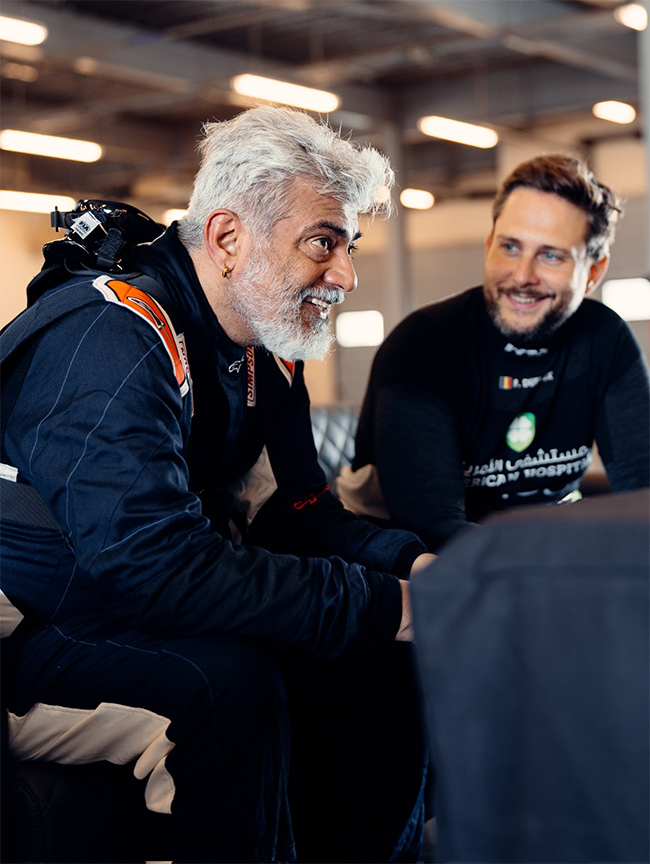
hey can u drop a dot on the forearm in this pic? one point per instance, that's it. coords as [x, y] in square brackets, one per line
[304, 518]
[322, 527]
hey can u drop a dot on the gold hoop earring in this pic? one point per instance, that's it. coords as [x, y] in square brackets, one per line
[226, 271]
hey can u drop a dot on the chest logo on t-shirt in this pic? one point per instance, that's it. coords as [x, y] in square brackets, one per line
[525, 352]
[507, 382]
[521, 432]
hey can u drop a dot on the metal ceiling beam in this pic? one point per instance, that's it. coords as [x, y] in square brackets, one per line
[488, 21]
[159, 63]
[549, 42]
[512, 96]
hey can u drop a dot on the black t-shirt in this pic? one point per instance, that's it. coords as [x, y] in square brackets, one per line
[461, 421]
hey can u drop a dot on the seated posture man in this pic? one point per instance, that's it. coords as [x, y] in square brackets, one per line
[187, 581]
[493, 398]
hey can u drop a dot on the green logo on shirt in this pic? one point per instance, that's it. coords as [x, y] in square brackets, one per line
[521, 432]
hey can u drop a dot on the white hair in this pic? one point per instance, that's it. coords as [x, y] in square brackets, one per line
[249, 162]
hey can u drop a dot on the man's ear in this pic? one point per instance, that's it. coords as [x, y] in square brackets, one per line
[596, 273]
[223, 234]
[488, 241]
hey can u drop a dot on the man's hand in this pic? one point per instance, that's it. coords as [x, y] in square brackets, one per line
[422, 561]
[405, 632]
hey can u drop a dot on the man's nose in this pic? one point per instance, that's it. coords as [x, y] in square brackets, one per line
[340, 272]
[525, 272]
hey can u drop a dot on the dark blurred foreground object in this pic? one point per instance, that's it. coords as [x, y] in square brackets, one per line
[533, 646]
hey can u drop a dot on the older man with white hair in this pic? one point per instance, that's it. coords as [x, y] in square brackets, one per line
[193, 595]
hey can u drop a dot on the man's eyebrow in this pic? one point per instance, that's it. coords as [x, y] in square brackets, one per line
[336, 229]
[546, 247]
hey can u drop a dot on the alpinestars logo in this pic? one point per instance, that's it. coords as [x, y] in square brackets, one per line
[521, 432]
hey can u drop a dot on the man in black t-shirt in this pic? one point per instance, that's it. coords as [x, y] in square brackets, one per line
[493, 398]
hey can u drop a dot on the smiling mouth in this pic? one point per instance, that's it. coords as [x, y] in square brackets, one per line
[522, 299]
[322, 307]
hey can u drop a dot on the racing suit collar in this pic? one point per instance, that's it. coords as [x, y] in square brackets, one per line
[167, 261]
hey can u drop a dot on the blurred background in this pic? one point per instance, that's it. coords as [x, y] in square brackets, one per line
[137, 78]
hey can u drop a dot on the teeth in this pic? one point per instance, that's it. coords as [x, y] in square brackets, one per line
[524, 299]
[321, 305]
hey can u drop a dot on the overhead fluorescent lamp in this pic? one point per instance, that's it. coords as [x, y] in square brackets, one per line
[22, 32]
[456, 130]
[31, 202]
[50, 145]
[632, 15]
[173, 215]
[282, 91]
[382, 195]
[630, 298]
[615, 112]
[19, 72]
[416, 199]
[359, 329]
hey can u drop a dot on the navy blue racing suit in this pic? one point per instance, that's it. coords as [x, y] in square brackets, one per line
[192, 561]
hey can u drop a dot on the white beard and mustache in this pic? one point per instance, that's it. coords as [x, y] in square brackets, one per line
[271, 306]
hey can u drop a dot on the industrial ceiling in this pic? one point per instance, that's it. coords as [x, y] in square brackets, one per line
[141, 76]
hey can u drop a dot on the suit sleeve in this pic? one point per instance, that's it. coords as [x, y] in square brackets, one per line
[97, 430]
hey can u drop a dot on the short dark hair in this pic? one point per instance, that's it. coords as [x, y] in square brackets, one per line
[571, 179]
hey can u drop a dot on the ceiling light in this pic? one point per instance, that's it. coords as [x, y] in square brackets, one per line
[456, 130]
[382, 195]
[19, 72]
[615, 112]
[630, 298]
[632, 15]
[31, 202]
[416, 199]
[22, 32]
[173, 215]
[50, 145]
[288, 94]
[359, 329]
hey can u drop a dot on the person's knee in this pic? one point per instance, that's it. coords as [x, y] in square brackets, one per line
[254, 683]
[226, 682]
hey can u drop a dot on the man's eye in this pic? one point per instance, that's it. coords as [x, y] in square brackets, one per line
[551, 257]
[352, 248]
[509, 247]
[324, 243]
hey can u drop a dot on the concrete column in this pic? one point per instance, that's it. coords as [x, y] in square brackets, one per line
[520, 147]
[644, 109]
[397, 299]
